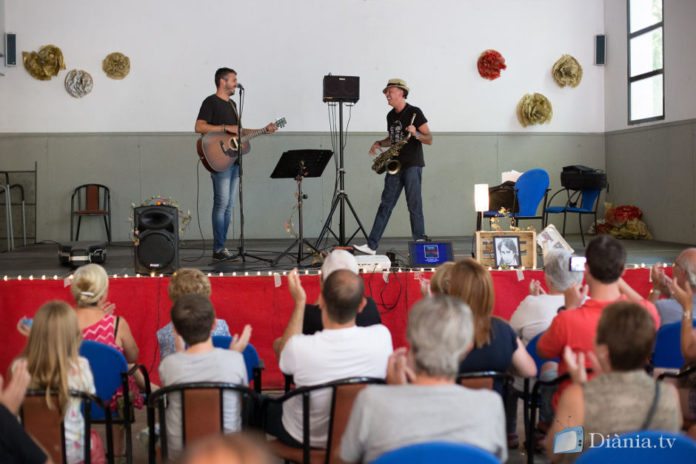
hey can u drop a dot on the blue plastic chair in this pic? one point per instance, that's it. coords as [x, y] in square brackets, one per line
[439, 452]
[588, 199]
[667, 352]
[253, 363]
[530, 189]
[110, 371]
[682, 449]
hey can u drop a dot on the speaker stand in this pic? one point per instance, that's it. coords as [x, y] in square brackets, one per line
[340, 199]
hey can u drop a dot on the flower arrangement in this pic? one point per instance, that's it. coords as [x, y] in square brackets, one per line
[490, 63]
[158, 200]
[567, 71]
[534, 109]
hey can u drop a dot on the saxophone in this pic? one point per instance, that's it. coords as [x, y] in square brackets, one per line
[386, 161]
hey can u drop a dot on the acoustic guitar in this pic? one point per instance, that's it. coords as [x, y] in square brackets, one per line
[219, 150]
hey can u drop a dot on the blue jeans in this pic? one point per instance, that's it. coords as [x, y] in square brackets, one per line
[410, 180]
[224, 186]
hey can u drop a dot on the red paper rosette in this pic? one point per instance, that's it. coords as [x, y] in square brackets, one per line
[490, 63]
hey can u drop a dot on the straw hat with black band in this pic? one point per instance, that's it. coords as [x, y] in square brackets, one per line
[400, 83]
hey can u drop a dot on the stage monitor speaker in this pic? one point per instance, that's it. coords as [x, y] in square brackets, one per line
[600, 49]
[157, 229]
[341, 88]
[10, 49]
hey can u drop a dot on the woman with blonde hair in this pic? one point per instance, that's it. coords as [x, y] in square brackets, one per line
[496, 347]
[52, 355]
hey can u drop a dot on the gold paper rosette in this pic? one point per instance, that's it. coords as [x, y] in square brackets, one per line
[116, 65]
[534, 109]
[44, 64]
[78, 83]
[567, 71]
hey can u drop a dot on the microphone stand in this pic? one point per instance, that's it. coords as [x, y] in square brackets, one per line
[241, 251]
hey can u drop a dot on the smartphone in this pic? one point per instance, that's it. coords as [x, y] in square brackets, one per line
[577, 263]
[26, 321]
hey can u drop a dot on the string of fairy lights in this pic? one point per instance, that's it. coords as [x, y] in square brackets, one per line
[306, 272]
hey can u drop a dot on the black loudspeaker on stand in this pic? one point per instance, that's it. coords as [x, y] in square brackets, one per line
[157, 229]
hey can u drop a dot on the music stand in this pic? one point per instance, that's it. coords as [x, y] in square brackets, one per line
[298, 164]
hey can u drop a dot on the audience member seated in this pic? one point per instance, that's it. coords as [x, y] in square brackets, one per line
[193, 317]
[237, 448]
[684, 294]
[439, 281]
[533, 316]
[16, 446]
[185, 281]
[535, 312]
[496, 346]
[620, 397]
[53, 360]
[339, 259]
[684, 270]
[422, 403]
[339, 351]
[576, 329]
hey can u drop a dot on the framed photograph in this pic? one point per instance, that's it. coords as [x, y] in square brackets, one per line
[522, 245]
[507, 251]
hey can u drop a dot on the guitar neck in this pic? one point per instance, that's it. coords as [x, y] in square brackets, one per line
[250, 134]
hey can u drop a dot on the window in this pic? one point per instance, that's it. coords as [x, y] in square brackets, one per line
[646, 85]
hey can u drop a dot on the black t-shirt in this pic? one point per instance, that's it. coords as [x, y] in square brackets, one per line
[16, 446]
[412, 153]
[312, 317]
[216, 111]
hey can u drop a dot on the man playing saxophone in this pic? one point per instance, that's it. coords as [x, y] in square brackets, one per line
[403, 121]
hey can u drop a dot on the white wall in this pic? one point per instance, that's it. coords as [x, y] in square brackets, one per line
[679, 59]
[284, 49]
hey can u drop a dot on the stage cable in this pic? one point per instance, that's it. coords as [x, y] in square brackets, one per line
[198, 215]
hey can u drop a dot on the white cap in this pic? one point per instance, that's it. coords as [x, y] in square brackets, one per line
[338, 259]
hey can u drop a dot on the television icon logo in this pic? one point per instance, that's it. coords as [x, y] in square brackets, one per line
[568, 440]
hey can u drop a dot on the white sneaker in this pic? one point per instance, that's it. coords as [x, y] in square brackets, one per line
[365, 249]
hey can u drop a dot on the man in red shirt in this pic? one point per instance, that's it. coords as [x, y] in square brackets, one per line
[576, 326]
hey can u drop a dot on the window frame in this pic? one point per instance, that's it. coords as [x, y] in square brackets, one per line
[656, 72]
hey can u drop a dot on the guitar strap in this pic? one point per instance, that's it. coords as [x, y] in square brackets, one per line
[234, 108]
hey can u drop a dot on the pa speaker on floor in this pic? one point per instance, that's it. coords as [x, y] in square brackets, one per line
[157, 228]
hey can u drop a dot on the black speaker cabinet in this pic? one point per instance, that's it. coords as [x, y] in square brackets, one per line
[600, 49]
[341, 88]
[157, 228]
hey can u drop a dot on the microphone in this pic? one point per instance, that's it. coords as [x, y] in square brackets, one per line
[240, 86]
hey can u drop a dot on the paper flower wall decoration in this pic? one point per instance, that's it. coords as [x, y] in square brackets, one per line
[116, 65]
[567, 71]
[44, 64]
[490, 63]
[534, 109]
[78, 83]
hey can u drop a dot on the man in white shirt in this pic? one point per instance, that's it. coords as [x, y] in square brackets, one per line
[339, 351]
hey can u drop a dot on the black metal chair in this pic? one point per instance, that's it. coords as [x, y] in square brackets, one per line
[202, 412]
[90, 200]
[343, 394]
[45, 424]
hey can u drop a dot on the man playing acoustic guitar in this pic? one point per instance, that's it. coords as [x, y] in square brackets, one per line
[218, 113]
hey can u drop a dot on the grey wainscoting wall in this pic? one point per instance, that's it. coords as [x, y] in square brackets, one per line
[137, 166]
[654, 168]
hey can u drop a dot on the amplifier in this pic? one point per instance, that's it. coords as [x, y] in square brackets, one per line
[341, 88]
[373, 263]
